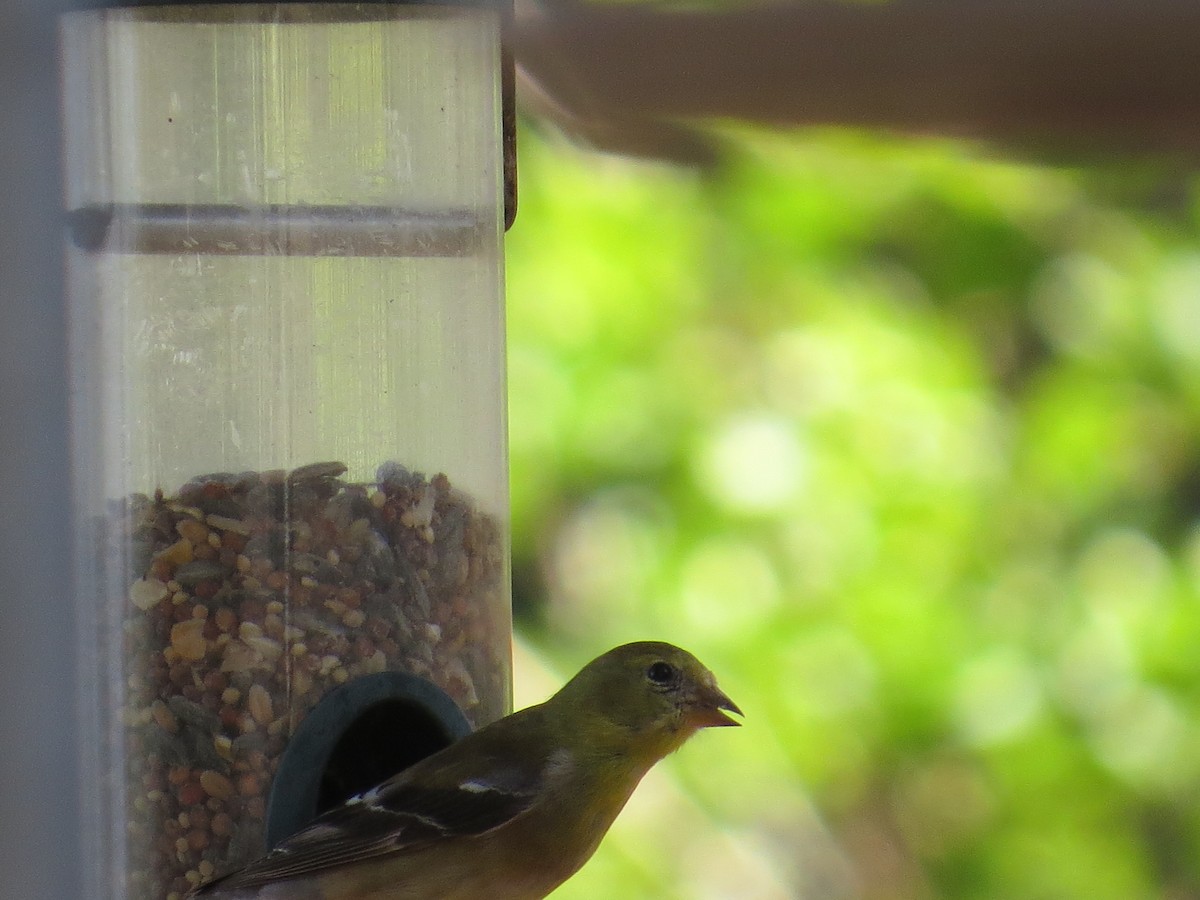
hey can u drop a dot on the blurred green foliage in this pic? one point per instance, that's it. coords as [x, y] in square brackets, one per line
[904, 442]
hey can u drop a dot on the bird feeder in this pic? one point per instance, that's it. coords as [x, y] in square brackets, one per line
[288, 413]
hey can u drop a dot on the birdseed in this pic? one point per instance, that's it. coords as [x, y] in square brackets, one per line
[251, 596]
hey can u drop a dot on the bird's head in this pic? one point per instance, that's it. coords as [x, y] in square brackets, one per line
[654, 689]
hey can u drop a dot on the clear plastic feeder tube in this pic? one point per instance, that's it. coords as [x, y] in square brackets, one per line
[288, 399]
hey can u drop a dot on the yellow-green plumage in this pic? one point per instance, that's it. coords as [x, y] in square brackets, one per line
[510, 811]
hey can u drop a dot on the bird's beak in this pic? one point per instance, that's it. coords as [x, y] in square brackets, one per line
[708, 705]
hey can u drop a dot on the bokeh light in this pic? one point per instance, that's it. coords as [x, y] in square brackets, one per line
[903, 440]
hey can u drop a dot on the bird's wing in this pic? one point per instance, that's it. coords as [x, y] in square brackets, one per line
[440, 798]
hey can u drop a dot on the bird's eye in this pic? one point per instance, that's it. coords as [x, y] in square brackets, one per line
[661, 672]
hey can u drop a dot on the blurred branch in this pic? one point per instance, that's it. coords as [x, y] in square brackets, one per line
[1120, 75]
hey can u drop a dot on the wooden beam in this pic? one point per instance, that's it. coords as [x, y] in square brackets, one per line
[1113, 74]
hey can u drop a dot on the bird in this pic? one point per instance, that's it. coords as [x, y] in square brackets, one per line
[508, 812]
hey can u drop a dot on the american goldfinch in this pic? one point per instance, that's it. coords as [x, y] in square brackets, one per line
[510, 811]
